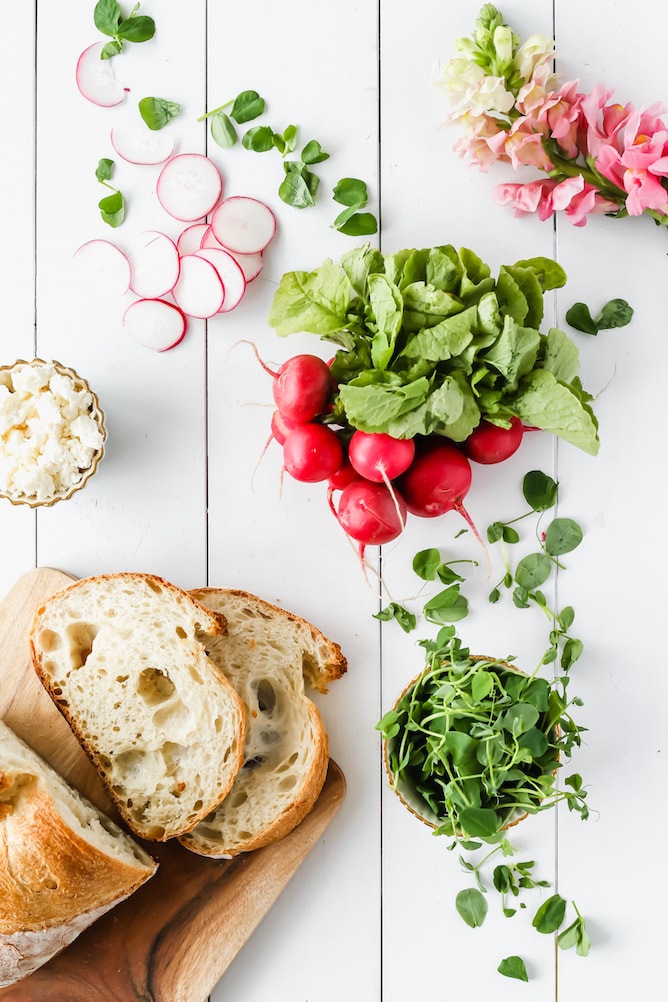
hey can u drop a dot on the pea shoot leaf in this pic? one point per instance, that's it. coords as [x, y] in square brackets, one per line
[540, 490]
[426, 563]
[223, 131]
[615, 313]
[246, 106]
[471, 906]
[406, 620]
[562, 536]
[550, 915]
[513, 967]
[156, 112]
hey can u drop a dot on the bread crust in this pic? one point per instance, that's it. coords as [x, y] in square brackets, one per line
[329, 665]
[211, 624]
[54, 879]
[333, 667]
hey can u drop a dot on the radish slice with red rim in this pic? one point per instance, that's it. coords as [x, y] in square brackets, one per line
[155, 265]
[95, 78]
[191, 238]
[189, 186]
[230, 274]
[138, 145]
[199, 291]
[155, 323]
[251, 264]
[103, 266]
[209, 239]
[243, 225]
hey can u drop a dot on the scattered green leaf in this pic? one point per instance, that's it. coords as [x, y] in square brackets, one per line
[513, 967]
[156, 112]
[615, 313]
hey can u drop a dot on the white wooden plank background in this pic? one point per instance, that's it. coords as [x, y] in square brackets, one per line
[370, 915]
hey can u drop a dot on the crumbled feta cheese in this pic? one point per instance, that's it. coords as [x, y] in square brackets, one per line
[48, 436]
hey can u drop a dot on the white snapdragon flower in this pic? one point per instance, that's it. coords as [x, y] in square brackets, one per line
[535, 52]
[503, 43]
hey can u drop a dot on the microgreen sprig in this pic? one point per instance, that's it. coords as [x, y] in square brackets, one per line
[447, 606]
[561, 536]
[112, 207]
[109, 19]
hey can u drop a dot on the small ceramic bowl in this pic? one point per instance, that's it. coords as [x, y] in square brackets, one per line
[406, 793]
[53, 468]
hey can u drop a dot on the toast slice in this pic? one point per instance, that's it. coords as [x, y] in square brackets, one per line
[63, 863]
[267, 655]
[123, 658]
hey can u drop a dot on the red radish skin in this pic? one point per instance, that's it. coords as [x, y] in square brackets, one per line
[95, 78]
[370, 514]
[281, 427]
[437, 481]
[189, 186]
[312, 453]
[379, 457]
[489, 444]
[302, 387]
[344, 476]
[243, 225]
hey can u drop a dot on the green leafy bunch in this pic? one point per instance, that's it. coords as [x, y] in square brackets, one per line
[431, 343]
[477, 743]
[110, 20]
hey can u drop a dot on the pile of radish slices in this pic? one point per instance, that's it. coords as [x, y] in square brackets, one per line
[200, 273]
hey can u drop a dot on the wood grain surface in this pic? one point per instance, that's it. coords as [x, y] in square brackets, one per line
[174, 938]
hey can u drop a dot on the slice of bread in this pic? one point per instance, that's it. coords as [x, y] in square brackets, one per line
[123, 658]
[62, 862]
[267, 655]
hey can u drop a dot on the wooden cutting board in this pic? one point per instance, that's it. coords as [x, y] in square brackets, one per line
[174, 938]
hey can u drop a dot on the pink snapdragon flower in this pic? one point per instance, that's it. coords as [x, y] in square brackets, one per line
[601, 156]
[573, 196]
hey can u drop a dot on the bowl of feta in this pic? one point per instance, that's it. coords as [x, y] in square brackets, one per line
[52, 432]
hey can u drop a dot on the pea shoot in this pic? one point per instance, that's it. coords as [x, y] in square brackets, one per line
[112, 207]
[110, 20]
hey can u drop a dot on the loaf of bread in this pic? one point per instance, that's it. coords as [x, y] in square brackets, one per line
[123, 658]
[62, 862]
[268, 654]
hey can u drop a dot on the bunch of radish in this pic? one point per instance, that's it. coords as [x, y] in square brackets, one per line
[201, 272]
[374, 481]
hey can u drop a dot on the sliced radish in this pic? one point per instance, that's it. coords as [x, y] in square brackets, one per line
[138, 145]
[251, 264]
[103, 266]
[199, 291]
[243, 225]
[189, 186]
[155, 323]
[230, 274]
[191, 238]
[154, 262]
[95, 78]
